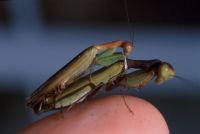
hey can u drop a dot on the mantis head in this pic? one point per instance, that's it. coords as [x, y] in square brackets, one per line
[165, 72]
[127, 46]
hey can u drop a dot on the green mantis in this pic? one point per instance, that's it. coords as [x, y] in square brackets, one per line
[67, 87]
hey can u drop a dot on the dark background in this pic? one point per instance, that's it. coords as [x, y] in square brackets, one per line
[37, 37]
[113, 11]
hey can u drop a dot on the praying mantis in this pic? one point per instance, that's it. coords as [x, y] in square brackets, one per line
[70, 86]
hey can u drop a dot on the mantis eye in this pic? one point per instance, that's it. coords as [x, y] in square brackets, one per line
[165, 72]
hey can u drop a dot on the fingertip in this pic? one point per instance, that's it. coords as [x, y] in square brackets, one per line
[104, 116]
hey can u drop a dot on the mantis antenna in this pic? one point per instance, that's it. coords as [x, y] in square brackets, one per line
[131, 33]
[125, 60]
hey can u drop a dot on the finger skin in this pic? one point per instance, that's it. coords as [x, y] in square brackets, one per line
[106, 115]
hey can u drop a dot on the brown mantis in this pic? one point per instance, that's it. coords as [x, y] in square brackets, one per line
[64, 89]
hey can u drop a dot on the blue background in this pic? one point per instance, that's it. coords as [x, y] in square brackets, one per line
[31, 51]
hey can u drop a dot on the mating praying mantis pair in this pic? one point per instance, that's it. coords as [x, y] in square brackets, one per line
[71, 85]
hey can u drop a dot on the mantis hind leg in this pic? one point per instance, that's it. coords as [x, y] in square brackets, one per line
[83, 98]
[87, 96]
[125, 102]
[115, 84]
[94, 91]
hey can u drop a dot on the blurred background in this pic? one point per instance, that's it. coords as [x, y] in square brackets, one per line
[37, 37]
